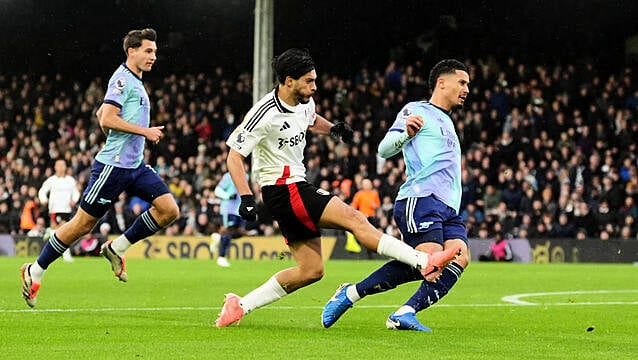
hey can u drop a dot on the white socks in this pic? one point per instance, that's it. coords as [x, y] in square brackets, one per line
[267, 293]
[397, 249]
[404, 310]
[36, 271]
[352, 294]
[120, 245]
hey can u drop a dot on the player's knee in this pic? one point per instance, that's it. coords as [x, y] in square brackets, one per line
[314, 274]
[464, 258]
[85, 227]
[356, 219]
[174, 212]
[169, 213]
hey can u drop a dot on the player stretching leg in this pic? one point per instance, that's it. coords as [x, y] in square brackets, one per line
[274, 132]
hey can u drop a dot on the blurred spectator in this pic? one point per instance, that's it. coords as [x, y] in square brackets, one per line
[30, 210]
[584, 219]
[626, 233]
[500, 250]
[491, 199]
[367, 201]
[563, 229]
[564, 148]
[604, 215]
[5, 218]
[138, 206]
[581, 234]
[105, 229]
[38, 229]
[512, 195]
[119, 218]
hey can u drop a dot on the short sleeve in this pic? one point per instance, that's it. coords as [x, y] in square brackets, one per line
[116, 91]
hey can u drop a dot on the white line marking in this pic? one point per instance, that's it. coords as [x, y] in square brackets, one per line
[217, 308]
[515, 299]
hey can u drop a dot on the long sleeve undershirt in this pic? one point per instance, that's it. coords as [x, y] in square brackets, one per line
[392, 143]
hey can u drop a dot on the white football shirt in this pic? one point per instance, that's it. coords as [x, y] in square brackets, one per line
[275, 133]
[59, 192]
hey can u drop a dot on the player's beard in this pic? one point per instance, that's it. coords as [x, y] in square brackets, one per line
[458, 106]
[301, 98]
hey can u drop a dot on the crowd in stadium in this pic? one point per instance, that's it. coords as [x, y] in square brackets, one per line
[549, 150]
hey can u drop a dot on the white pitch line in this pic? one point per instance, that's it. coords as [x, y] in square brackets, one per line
[515, 299]
[193, 308]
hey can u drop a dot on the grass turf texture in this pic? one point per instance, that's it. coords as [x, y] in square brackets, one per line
[167, 309]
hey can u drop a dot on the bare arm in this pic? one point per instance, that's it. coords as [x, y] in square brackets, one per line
[108, 117]
[235, 164]
[321, 126]
[338, 130]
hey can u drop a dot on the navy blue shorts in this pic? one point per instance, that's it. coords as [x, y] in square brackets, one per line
[427, 219]
[107, 182]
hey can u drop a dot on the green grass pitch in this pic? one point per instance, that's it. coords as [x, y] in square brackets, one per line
[167, 309]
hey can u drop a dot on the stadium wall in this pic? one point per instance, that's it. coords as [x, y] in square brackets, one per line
[274, 247]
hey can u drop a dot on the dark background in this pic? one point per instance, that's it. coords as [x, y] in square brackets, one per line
[84, 37]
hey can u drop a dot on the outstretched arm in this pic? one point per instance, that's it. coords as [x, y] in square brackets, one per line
[337, 130]
[321, 126]
[393, 141]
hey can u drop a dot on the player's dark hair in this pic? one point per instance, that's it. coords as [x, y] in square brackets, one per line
[447, 66]
[134, 38]
[292, 62]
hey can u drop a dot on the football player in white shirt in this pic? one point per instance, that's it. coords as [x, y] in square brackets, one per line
[60, 193]
[274, 132]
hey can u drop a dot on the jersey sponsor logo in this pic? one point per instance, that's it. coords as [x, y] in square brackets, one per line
[241, 137]
[322, 192]
[292, 141]
[450, 137]
[406, 112]
[284, 126]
